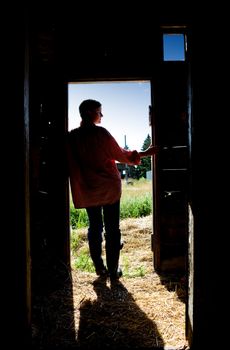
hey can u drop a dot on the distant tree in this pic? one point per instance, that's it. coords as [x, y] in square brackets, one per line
[146, 161]
[147, 143]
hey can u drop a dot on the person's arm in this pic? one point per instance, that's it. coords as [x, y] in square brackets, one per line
[118, 153]
[135, 156]
[150, 151]
[125, 156]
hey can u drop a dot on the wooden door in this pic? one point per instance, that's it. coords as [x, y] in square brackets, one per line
[170, 176]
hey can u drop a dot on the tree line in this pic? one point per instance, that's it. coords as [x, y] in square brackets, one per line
[138, 171]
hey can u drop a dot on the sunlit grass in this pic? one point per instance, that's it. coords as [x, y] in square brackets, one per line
[136, 187]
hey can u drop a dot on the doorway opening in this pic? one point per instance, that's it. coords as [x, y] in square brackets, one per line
[125, 107]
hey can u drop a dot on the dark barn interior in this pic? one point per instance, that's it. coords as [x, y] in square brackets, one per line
[49, 47]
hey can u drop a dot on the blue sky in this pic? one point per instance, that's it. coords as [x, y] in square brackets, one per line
[174, 47]
[125, 108]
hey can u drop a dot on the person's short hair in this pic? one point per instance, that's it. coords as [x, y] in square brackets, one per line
[88, 105]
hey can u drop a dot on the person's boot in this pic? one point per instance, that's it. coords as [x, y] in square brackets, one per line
[113, 247]
[115, 275]
[95, 250]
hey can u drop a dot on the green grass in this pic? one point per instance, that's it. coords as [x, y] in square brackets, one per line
[83, 262]
[129, 271]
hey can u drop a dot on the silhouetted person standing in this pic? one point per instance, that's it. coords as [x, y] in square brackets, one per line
[96, 184]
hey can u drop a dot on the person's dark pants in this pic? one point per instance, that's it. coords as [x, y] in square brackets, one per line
[107, 216]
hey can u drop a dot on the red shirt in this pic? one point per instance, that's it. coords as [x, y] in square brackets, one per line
[94, 177]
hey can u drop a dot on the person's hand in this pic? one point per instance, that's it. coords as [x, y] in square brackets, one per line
[156, 149]
[151, 150]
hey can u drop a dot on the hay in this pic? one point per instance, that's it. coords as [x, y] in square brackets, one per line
[135, 312]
